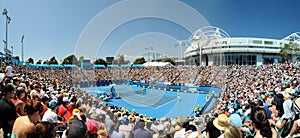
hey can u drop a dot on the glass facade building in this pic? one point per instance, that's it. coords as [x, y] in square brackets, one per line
[237, 50]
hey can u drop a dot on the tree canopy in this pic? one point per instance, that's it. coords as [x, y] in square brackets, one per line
[70, 60]
[46, 62]
[169, 60]
[140, 60]
[30, 60]
[100, 62]
[53, 60]
[39, 62]
[289, 51]
[121, 60]
[79, 61]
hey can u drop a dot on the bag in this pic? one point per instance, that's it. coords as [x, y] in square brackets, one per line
[287, 128]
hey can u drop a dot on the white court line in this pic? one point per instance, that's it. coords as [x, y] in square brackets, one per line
[149, 97]
[143, 95]
[146, 97]
[138, 101]
[168, 102]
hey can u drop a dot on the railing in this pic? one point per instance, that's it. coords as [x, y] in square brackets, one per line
[206, 104]
[162, 75]
[215, 76]
[198, 73]
[176, 77]
[137, 73]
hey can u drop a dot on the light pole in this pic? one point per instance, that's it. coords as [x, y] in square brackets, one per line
[180, 49]
[22, 48]
[181, 43]
[200, 54]
[148, 49]
[4, 56]
[154, 54]
[12, 50]
[196, 40]
[8, 19]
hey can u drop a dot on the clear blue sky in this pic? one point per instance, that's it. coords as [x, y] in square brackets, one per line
[55, 27]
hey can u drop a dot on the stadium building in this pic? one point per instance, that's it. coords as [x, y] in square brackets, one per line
[213, 46]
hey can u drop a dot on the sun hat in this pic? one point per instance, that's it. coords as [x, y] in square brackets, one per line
[220, 121]
[76, 112]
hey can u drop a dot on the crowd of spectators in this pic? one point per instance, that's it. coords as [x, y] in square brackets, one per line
[255, 101]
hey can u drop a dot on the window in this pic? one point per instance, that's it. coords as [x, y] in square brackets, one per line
[272, 47]
[257, 42]
[237, 47]
[255, 46]
[268, 42]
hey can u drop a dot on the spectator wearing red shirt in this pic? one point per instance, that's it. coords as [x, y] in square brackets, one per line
[63, 109]
[71, 107]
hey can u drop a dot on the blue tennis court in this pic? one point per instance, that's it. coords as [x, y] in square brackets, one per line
[154, 102]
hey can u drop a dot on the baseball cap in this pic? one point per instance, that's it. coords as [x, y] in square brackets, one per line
[45, 97]
[20, 90]
[52, 104]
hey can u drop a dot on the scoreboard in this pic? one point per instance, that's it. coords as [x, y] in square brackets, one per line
[86, 64]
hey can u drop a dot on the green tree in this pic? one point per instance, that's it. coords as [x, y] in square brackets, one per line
[39, 62]
[79, 61]
[169, 60]
[53, 60]
[70, 60]
[140, 60]
[100, 61]
[46, 62]
[121, 60]
[288, 51]
[30, 60]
